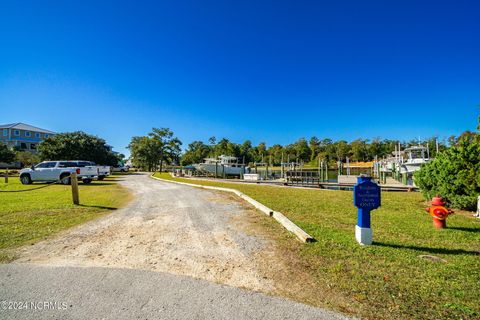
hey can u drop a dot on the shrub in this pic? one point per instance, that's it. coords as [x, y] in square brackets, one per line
[454, 174]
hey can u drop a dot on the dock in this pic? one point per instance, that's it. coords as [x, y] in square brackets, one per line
[312, 183]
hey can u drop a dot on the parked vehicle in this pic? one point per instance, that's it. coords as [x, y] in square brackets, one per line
[120, 169]
[49, 171]
[87, 173]
[102, 171]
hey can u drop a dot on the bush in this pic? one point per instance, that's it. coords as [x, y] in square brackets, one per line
[6, 154]
[454, 174]
[27, 158]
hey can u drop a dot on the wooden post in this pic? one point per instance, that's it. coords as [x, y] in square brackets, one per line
[322, 168]
[216, 169]
[319, 175]
[6, 175]
[326, 171]
[243, 168]
[74, 183]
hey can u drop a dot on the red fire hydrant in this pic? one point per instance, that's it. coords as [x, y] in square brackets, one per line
[439, 212]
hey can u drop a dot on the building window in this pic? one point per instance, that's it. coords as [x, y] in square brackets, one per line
[5, 132]
[28, 134]
[33, 146]
[37, 135]
[16, 132]
[23, 145]
[46, 135]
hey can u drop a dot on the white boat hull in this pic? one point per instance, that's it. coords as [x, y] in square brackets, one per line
[227, 170]
[410, 167]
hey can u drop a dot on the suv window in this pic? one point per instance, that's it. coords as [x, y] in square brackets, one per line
[65, 164]
[45, 165]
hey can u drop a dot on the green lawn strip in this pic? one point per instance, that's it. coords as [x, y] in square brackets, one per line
[26, 217]
[388, 279]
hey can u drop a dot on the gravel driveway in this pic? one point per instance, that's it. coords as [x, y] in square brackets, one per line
[171, 230]
[168, 228]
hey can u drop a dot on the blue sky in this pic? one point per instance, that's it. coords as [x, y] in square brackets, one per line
[271, 71]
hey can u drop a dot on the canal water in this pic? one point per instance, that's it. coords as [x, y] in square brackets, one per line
[332, 173]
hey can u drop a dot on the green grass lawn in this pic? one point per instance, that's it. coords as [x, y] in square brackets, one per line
[26, 217]
[387, 280]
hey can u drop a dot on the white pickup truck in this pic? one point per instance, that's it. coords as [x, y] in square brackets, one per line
[49, 171]
[102, 171]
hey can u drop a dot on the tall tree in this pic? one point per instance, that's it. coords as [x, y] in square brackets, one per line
[342, 150]
[221, 148]
[275, 152]
[260, 152]
[195, 153]
[302, 150]
[314, 144]
[246, 151]
[168, 146]
[359, 150]
[376, 149]
[144, 152]
[76, 145]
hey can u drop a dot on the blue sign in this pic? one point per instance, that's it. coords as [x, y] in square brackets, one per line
[366, 197]
[366, 194]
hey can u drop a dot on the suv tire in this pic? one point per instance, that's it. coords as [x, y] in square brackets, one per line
[65, 178]
[25, 179]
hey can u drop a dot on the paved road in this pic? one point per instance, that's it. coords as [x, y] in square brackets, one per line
[107, 293]
[151, 260]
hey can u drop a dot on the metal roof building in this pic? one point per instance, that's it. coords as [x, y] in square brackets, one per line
[23, 136]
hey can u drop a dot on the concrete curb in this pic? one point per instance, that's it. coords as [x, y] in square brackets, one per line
[284, 221]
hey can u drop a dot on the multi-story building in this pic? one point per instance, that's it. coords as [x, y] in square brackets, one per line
[23, 136]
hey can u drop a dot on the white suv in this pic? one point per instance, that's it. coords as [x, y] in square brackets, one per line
[49, 171]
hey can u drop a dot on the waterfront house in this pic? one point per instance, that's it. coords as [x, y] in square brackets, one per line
[23, 136]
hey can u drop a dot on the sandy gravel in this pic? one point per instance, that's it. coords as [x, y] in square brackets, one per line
[169, 228]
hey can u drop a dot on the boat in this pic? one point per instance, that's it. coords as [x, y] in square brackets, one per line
[390, 163]
[223, 165]
[415, 157]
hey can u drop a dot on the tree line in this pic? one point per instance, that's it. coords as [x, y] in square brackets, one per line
[160, 146]
[303, 150]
